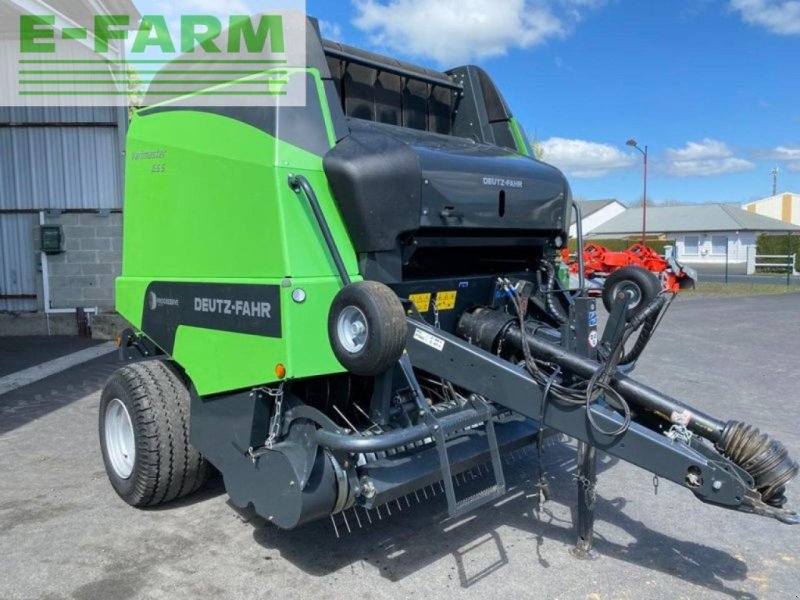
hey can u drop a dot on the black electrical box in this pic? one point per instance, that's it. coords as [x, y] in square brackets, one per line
[52, 237]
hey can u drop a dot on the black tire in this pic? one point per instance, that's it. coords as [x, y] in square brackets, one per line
[165, 465]
[384, 340]
[642, 282]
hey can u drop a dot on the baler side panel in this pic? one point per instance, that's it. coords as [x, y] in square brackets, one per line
[208, 203]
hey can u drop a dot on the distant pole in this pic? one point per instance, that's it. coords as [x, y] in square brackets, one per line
[789, 261]
[775, 172]
[727, 246]
[644, 202]
[633, 144]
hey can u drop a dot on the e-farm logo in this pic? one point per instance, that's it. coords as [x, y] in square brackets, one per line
[37, 34]
[192, 59]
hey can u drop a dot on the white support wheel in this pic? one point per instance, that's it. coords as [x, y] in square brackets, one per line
[367, 328]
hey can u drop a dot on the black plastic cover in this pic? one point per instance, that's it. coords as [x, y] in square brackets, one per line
[376, 180]
[389, 181]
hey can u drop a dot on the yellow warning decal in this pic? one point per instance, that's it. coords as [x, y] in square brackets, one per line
[446, 300]
[422, 302]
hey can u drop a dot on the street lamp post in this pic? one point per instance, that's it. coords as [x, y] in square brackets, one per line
[632, 143]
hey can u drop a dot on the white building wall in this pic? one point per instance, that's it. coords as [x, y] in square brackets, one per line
[774, 207]
[597, 218]
[701, 247]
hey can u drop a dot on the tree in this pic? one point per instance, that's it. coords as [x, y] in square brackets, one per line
[134, 87]
[536, 146]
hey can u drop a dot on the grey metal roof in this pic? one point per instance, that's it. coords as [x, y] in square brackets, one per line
[589, 207]
[691, 217]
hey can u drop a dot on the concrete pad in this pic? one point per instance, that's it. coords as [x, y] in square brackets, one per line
[51, 367]
[65, 534]
[20, 352]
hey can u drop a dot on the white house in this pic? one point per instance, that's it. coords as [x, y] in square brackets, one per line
[703, 233]
[785, 207]
[594, 213]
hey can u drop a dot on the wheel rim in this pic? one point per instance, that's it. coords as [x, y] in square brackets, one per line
[352, 329]
[120, 441]
[633, 288]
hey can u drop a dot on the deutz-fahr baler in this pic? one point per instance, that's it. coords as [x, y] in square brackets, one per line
[340, 304]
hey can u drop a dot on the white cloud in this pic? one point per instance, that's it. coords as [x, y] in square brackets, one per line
[704, 159]
[794, 167]
[583, 159]
[778, 16]
[457, 31]
[331, 31]
[785, 153]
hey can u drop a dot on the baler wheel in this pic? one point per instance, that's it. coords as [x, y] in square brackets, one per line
[144, 435]
[643, 284]
[367, 328]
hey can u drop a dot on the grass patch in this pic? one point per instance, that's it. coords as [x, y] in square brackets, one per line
[719, 288]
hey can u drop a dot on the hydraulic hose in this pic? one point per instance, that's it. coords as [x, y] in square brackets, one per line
[764, 458]
[636, 393]
[357, 444]
[547, 290]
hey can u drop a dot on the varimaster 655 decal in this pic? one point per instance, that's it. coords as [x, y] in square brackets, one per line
[239, 308]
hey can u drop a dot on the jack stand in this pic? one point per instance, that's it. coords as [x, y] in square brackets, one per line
[587, 480]
[583, 322]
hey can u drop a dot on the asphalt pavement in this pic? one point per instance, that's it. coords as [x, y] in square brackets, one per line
[65, 534]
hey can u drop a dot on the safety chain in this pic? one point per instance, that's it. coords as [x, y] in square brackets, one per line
[679, 433]
[277, 416]
[589, 490]
[436, 323]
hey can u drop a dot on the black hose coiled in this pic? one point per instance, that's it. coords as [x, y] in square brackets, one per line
[648, 319]
[765, 459]
[547, 289]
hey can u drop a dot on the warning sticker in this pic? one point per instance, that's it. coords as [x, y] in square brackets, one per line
[421, 301]
[681, 418]
[429, 340]
[446, 300]
[593, 339]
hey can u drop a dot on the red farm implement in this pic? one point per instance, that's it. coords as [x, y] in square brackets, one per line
[639, 269]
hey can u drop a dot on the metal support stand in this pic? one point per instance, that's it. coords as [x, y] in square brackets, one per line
[585, 342]
[587, 480]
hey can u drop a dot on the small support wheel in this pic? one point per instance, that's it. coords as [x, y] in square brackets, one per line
[367, 328]
[144, 435]
[642, 285]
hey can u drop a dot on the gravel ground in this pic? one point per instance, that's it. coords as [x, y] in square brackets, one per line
[65, 534]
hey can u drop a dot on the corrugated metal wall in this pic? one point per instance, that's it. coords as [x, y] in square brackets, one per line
[17, 262]
[58, 114]
[51, 158]
[59, 167]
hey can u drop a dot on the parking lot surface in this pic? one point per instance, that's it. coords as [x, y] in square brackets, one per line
[65, 534]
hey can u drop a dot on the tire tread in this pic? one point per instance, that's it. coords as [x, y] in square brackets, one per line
[167, 467]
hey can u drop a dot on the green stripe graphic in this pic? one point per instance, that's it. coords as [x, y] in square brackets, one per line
[158, 93]
[154, 62]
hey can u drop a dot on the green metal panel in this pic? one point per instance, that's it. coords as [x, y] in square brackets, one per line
[523, 146]
[208, 200]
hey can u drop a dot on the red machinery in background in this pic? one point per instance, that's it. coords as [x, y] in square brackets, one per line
[639, 269]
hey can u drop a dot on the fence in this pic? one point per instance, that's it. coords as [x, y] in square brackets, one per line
[772, 262]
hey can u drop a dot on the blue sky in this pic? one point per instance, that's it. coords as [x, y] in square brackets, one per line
[711, 86]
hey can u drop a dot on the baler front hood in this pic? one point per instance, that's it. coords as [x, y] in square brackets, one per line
[390, 181]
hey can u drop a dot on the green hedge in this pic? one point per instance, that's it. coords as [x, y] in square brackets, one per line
[779, 245]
